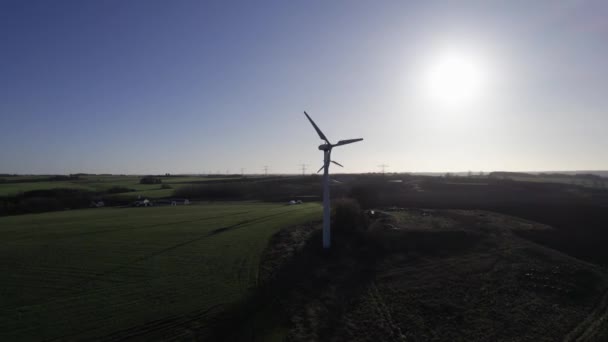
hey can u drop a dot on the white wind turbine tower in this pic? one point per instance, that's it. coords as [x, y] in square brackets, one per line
[326, 148]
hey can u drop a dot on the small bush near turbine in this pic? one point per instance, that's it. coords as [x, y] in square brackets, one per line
[347, 215]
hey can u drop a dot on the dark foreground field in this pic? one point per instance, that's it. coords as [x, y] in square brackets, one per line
[424, 275]
[459, 258]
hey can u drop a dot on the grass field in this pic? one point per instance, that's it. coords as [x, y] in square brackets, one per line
[10, 189]
[138, 272]
[103, 183]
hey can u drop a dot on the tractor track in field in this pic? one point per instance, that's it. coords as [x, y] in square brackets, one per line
[155, 327]
[170, 327]
[141, 227]
[147, 269]
[384, 314]
[95, 277]
[256, 220]
[181, 244]
[171, 323]
[590, 327]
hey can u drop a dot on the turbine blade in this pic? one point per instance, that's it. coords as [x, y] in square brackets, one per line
[348, 141]
[340, 165]
[321, 168]
[321, 135]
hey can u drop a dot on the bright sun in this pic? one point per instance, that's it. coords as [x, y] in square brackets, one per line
[455, 78]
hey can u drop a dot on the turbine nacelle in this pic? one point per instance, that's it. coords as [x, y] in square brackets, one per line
[325, 147]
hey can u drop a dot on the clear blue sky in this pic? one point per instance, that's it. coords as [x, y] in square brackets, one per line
[198, 86]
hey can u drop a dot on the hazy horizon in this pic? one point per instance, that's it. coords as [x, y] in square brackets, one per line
[130, 87]
[456, 172]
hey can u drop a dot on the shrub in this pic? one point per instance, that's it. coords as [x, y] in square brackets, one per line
[366, 194]
[215, 191]
[118, 190]
[40, 204]
[150, 180]
[278, 190]
[36, 201]
[347, 215]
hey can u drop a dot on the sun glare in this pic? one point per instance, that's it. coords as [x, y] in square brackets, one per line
[455, 78]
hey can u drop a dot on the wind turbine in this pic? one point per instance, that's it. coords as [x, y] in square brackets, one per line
[326, 148]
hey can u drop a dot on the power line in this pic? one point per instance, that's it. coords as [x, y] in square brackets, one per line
[303, 168]
[383, 167]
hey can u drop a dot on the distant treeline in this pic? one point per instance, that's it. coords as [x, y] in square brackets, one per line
[279, 189]
[58, 178]
[306, 188]
[503, 174]
[37, 201]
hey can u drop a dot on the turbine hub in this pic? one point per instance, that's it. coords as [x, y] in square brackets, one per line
[325, 147]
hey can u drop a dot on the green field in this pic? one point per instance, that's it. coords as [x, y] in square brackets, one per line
[10, 189]
[141, 272]
[102, 183]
